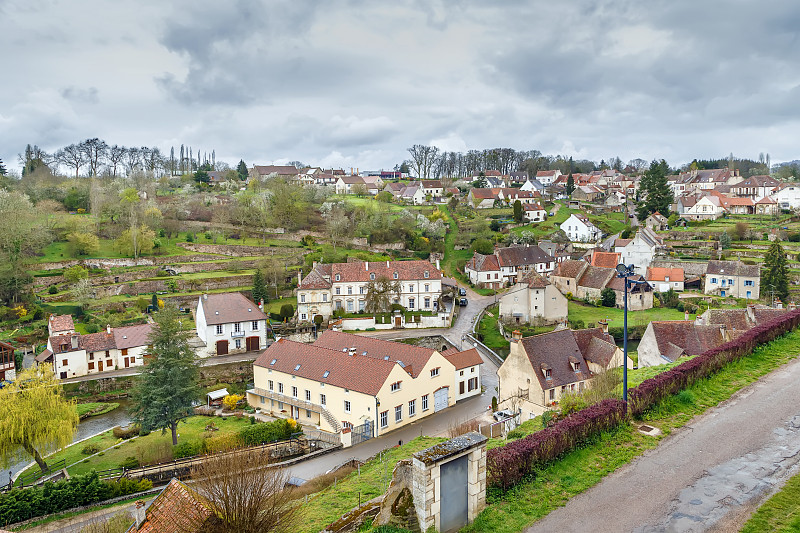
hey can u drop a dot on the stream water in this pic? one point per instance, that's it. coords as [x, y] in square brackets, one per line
[86, 428]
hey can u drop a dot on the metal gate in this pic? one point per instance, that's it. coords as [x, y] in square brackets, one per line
[441, 399]
[454, 486]
[361, 433]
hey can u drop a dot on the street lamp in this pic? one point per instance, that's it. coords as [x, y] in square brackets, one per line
[626, 272]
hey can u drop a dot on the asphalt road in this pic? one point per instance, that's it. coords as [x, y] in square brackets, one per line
[707, 476]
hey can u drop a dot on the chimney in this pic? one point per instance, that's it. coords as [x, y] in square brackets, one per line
[437, 265]
[139, 514]
[74, 342]
[299, 277]
[387, 263]
[366, 266]
[108, 329]
[516, 336]
[686, 315]
[261, 304]
[603, 324]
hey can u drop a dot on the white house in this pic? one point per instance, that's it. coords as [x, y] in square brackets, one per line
[467, 365]
[532, 185]
[640, 250]
[413, 195]
[580, 229]
[229, 323]
[345, 184]
[663, 279]
[534, 212]
[548, 177]
[787, 195]
[733, 279]
[433, 188]
[506, 265]
[706, 208]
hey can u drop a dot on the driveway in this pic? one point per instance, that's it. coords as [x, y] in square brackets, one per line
[709, 475]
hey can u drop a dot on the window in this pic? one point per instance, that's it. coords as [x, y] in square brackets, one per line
[435, 372]
[362, 290]
[472, 370]
[280, 388]
[91, 356]
[472, 384]
[64, 363]
[308, 413]
[302, 316]
[322, 399]
[548, 374]
[303, 298]
[338, 277]
[349, 290]
[338, 290]
[124, 351]
[237, 327]
[412, 407]
[280, 406]
[254, 325]
[713, 280]
[324, 297]
[361, 305]
[425, 403]
[308, 395]
[107, 354]
[748, 283]
[398, 413]
[91, 366]
[411, 303]
[426, 275]
[219, 329]
[395, 275]
[461, 373]
[349, 306]
[427, 288]
[552, 394]
[384, 419]
[396, 386]
[238, 343]
[347, 406]
[372, 276]
[270, 385]
[427, 303]
[294, 392]
[730, 282]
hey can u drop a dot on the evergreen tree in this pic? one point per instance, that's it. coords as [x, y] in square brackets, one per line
[570, 184]
[776, 274]
[168, 383]
[657, 194]
[241, 168]
[201, 176]
[725, 240]
[259, 291]
[154, 302]
[519, 213]
[3, 170]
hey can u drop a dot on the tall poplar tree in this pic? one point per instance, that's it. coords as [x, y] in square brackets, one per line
[168, 383]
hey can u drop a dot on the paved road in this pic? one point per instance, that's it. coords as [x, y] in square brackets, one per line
[709, 475]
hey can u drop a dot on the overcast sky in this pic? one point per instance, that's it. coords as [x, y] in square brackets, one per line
[350, 83]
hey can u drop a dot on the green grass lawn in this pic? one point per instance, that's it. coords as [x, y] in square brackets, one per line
[490, 333]
[583, 468]
[328, 505]
[781, 513]
[95, 408]
[146, 449]
[590, 314]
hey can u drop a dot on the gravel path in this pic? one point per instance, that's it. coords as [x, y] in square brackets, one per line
[709, 475]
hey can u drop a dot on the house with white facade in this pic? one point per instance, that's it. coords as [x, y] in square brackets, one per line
[506, 265]
[663, 279]
[533, 299]
[74, 355]
[467, 366]
[345, 184]
[433, 188]
[413, 195]
[580, 229]
[787, 195]
[229, 323]
[547, 177]
[640, 250]
[732, 279]
[534, 212]
[706, 208]
[343, 286]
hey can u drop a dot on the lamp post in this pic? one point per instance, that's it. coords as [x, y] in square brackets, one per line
[626, 272]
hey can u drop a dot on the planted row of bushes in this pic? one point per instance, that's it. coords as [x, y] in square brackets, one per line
[510, 464]
[18, 505]
[252, 435]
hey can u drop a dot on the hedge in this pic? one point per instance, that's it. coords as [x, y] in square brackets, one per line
[18, 505]
[264, 432]
[509, 464]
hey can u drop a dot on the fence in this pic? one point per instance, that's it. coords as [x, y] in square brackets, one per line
[34, 478]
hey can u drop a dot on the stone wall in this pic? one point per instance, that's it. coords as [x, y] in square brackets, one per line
[236, 250]
[116, 263]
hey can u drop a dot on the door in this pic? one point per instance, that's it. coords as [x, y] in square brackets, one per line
[222, 347]
[722, 293]
[99, 366]
[397, 322]
[461, 388]
[454, 497]
[252, 343]
[441, 398]
[749, 295]
[127, 362]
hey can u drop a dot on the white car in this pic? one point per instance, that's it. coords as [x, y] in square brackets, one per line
[502, 415]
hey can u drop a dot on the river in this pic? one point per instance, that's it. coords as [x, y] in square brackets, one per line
[86, 428]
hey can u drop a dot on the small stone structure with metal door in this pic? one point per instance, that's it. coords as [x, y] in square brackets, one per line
[449, 483]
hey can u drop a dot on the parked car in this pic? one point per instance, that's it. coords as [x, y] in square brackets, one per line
[462, 291]
[550, 214]
[502, 415]
[463, 302]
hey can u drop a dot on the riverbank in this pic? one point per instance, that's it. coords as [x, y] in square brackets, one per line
[87, 410]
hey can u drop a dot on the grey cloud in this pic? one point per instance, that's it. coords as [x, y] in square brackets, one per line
[86, 95]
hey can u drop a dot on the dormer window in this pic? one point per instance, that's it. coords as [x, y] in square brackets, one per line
[426, 275]
[548, 374]
[576, 367]
[372, 276]
[396, 275]
[338, 277]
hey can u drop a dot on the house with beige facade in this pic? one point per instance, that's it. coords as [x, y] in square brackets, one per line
[539, 370]
[506, 265]
[229, 323]
[586, 282]
[359, 387]
[74, 355]
[343, 286]
[533, 299]
[732, 279]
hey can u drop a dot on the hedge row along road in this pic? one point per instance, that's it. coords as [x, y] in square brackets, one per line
[708, 475]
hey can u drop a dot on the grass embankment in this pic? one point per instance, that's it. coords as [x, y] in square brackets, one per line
[581, 469]
[590, 314]
[85, 410]
[781, 513]
[329, 504]
[155, 447]
[453, 258]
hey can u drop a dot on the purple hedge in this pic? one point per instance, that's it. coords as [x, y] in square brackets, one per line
[655, 389]
[508, 465]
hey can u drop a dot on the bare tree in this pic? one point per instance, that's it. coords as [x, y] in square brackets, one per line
[380, 294]
[72, 156]
[245, 494]
[422, 159]
[115, 156]
[132, 160]
[94, 150]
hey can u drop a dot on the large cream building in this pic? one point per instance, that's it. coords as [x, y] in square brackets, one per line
[334, 286]
[348, 383]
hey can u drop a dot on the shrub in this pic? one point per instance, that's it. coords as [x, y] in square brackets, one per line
[608, 297]
[125, 485]
[129, 462]
[125, 433]
[189, 449]
[267, 432]
[571, 403]
[17, 505]
[92, 328]
[509, 464]
[52, 289]
[189, 237]
[230, 401]
[90, 449]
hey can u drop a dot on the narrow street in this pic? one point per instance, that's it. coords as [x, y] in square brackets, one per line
[707, 476]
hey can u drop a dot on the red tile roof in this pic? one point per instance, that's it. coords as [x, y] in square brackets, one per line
[596, 277]
[534, 280]
[406, 270]
[228, 307]
[176, 508]
[97, 342]
[570, 268]
[413, 358]
[605, 259]
[483, 194]
[483, 263]
[465, 359]
[366, 374]
[266, 170]
[522, 255]
[662, 273]
[314, 280]
[61, 323]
